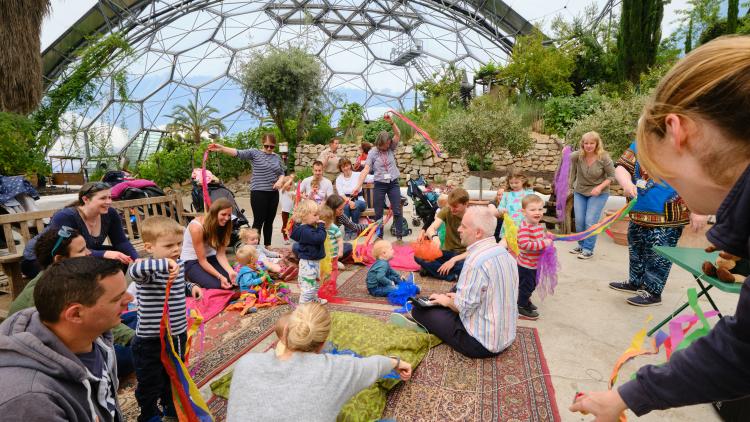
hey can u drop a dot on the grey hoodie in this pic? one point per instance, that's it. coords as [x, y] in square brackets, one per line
[42, 380]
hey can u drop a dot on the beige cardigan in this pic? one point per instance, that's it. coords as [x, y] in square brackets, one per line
[584, 178]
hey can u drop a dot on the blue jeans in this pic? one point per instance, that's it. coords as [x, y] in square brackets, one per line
[588, 211]
[356, 212]
[381, 291]
[432, 266]
[394, 195]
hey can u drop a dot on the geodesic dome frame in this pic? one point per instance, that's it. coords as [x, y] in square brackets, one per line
[375, 52]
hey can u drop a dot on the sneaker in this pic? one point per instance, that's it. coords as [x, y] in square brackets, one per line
[403, 321]
[644, 298]
[528, 313]
[322, 301]
[287, 241]
[586, 255]
[341, 267]
[623, 287]
[576, 251]
[532, 306]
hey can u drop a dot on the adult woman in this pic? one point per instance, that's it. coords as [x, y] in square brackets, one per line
[695, 135]
[345, 184]
[205, 245]
[94, 218]
[382, 159]
[591, 173]
[268, 175]
[315, 386]
[338, 205]
[359, 163]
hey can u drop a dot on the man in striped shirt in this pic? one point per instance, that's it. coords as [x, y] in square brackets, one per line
[531, 243]
[479, 319]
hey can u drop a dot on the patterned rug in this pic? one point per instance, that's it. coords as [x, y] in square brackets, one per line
[449, 386]
[355, 288]
[227, 337]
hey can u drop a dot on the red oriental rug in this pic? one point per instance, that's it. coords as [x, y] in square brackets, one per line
[448, 386]
[355, 288]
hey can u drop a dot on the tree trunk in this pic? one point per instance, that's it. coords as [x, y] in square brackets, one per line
[733, 10]
[639, 36]
[21, 60]
[689, 37]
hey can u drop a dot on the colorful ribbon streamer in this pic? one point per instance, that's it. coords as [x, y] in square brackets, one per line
[597, 228]
[204, 183]
[426, 136]
[359, 250]
[546, 272]
[511, 233]
[188, 402]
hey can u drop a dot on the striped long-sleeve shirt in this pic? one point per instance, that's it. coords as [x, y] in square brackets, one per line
[350, 226]
[267, 168]
[486, 295]
[151, 277]
[530, 244]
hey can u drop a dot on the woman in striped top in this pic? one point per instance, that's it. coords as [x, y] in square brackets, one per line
[268, 177]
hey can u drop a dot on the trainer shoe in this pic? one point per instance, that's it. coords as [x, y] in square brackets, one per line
[341, 266]
[527, 313]
[576, 251]
[644, 298]
[586, 255]
[623, 287]
[322, 301]
[532, 306]
[401, 320]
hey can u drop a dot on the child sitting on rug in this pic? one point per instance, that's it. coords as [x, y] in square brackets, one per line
[248, 273]
[162, 238]
[531, 242]
[310, 234]
[328, 216]
[250, 236]
[381, 278]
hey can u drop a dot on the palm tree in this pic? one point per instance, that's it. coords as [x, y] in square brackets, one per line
[20, 57]
[194, 122]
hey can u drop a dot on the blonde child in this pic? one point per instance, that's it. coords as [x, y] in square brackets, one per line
[310, 234]
[531, 243]
[247, 266]
[270, 259]
[381, 278]
[328, 216]
[162, 238]
[286, 200]
[510, 201]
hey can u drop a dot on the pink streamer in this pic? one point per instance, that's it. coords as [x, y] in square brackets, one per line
[561, 183]
[546, 272]
[434, 146]
[204, 182]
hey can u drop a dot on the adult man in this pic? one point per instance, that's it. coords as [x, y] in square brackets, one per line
[448, 266]
[479, 319]
[330, 160]
[57, 361]
[316, 187]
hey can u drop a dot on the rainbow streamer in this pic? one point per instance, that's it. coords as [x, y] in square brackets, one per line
[561, 183]
[359, 250]
[597, 228]
[511, 233]
[188, 402]
[426, 136]
[204, 182]
[546, 272]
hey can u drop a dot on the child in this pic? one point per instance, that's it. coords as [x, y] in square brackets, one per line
[511, 201]
[381, 278]
[531, 242]
[250, 236]
[328, 216]
[162, 238]
[286, 199]
[310, 234]
[247, 267]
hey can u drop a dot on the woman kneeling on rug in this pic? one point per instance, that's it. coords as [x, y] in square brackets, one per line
[314, 386]
[204, 247]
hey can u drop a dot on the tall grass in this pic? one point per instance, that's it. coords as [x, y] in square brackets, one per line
[531, 111]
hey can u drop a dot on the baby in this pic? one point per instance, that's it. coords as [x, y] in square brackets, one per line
[248, 273]
[381, 278]
[250, 236]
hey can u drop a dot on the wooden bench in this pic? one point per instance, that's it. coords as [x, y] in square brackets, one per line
[133, 211]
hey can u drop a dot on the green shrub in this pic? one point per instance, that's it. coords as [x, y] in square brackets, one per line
[476, 164]
[166, 167]
[303, 174]
[615, 121]
[321, 133]
[374, 128]
[560, 113]
[420, 150]
[17, 147]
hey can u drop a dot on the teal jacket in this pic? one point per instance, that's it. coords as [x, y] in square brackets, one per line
[382, 275]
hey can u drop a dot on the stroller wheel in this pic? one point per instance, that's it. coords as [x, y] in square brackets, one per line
[416, 221]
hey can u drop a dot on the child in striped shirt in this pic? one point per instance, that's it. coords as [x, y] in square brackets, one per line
[531, 242]
[162, 238]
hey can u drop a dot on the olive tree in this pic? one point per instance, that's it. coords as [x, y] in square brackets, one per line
[288, 84]
[489, 124]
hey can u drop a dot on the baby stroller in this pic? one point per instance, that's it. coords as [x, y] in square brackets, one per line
[425, 201]
[217, 190]
[405, 230]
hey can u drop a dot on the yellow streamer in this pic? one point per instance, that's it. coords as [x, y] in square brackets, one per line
[511, 233]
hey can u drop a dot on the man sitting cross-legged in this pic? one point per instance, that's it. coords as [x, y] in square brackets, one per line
[479, 319]
[57, 361]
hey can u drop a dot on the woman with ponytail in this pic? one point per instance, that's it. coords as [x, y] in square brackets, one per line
[315, 386]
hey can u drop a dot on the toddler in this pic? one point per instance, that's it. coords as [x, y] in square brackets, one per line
[310, 234]
[287, 195]
[531, 242]
[247, 267]
[328, 216]
[250, 236]
[381, 278]
[162, 238]
[510, 201]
